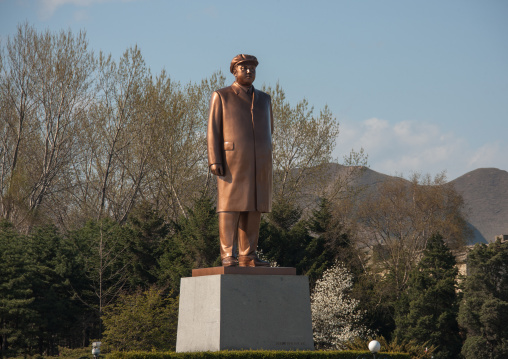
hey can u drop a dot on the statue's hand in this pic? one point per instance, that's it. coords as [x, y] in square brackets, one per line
[217, 169]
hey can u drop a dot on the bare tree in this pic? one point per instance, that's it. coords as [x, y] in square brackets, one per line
[17, 108]
[179, 155]
[108, 173]
[45, 90]
[302, 144]
[400, 217]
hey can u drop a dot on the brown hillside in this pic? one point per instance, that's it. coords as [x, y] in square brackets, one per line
[485, 192]
[369, 177]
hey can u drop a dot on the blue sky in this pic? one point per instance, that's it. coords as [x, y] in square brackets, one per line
[422, 86]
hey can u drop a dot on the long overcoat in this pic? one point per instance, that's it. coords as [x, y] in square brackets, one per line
[239, 138]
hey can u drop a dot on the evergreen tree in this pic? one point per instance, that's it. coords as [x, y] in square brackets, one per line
[428, 310]
[318, 255]
[193, 243]
[16, 296]
[484, 311]
[52, 264]
[284, 237]
[377, 297]
[37, 311]
[330, 242]
[310, 245]
[151, 326]
[145, 246]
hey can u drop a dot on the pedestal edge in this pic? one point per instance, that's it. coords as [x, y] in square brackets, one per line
[244, 270]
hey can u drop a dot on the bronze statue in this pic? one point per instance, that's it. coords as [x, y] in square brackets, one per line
[239, 136]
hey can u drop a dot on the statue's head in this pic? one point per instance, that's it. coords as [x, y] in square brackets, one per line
[243, 67]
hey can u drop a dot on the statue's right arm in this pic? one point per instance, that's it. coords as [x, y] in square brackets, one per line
[215, 136]
[217, 169]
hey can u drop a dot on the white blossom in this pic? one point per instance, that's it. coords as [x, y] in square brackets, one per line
[335, 315]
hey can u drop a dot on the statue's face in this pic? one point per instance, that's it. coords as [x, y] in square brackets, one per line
[245, 73]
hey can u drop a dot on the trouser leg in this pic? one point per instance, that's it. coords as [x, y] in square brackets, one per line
[248, 233]
[228, 232]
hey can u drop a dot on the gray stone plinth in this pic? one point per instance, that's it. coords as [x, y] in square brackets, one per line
[235, 312]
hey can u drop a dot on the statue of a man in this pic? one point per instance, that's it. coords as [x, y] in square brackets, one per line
[239, 136]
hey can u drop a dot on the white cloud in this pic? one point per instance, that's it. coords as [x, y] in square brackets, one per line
[415, 133]
[416, 146]
[374, 133]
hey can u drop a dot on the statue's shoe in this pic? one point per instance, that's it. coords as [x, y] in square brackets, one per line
[229, 262]
[246, 261]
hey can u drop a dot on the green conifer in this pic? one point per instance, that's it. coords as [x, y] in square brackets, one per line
[428, 310]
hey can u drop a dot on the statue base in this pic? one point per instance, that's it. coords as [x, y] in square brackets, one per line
[251, 308]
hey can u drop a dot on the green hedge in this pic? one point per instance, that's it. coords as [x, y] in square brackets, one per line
[248, 354]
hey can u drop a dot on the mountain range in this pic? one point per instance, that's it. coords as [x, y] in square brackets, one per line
[485, 193]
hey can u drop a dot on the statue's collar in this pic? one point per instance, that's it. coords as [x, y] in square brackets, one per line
[248, 90]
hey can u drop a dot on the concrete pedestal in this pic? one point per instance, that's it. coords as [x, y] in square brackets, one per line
[237, 311]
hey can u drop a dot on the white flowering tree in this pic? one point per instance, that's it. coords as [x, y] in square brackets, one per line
[336, 318]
